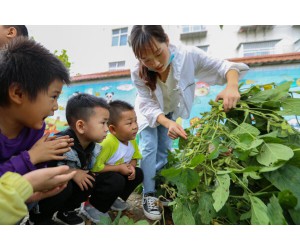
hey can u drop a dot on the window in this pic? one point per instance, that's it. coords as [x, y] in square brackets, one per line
[119, 37]
[203, 47]
[192, 28]
[259, 48]
[116, 65]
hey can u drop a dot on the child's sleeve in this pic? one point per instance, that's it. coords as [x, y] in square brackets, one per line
[137, 155]
[104, 155]
[20, 164]
[14, 191]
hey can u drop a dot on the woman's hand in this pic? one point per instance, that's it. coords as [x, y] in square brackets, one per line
[230, 96]
[175, 131]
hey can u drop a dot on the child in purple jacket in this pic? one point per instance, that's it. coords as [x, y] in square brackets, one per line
[31, 80]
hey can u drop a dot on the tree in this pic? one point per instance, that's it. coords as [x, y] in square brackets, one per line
[63, 57]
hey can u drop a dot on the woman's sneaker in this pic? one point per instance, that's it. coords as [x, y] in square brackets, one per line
[92, 213]
[151, 207]
[68, 218]
[119, 205]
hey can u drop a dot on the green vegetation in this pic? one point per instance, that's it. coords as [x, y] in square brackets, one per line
[240, 167]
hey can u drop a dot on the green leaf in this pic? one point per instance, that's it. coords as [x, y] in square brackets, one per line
[270, 153]
[245, 216]
[185, 179]
[273, 94]
[221, 193]
[291, 106]
[287, 200]
[189, 178]
[275, 212]
[182, 215]
[170, 173]
[245, 128]
[105, 220]
[259, 211]
[214, 154]
[142, 222]
[286, 178]
[273, 134]
[197, 160]
[206, 209]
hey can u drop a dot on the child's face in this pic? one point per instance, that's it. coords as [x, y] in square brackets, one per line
[127, 126]
[32, 114]
[157, 57]
[96, 127]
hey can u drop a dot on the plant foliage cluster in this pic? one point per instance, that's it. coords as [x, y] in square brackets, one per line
[240, 167]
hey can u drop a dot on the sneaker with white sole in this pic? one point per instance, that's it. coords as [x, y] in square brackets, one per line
[68, 218]
[151, 207]
[92, 213]
[119, 205]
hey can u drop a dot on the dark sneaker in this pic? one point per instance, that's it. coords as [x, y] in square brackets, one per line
[38, 219]
[48, 221]
[68, 218]
[119, 205]
[151, 207]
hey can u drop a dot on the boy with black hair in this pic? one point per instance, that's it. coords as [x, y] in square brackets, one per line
[31, 80]
[87, 116]
[115, 167]
[8, 32]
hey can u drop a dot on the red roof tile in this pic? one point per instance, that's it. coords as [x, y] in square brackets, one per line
[269, 59]
[102, 75]
[250, 60]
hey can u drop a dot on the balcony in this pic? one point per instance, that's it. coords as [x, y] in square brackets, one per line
[255, 28]
[193, 31]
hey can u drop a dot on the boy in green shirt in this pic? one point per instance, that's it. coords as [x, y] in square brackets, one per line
[116, 163]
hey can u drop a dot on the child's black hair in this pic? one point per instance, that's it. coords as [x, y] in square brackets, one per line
[30, 65]
[116, 109]
[21, 29]
[81, 107]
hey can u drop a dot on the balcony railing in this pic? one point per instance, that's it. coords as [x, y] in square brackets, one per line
[193, 31]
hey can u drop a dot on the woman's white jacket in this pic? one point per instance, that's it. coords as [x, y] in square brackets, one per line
[190, 64]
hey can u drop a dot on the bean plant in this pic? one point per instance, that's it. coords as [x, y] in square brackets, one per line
[239, 167]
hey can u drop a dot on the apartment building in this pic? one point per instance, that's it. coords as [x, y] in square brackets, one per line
[229, 41]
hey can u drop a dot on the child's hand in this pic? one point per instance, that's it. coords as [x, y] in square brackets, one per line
[47, 182]
[45, 179]
[83, 179]
[47, 149]
[124, 169]
[55, 137]
[132, 175]
[37, 196]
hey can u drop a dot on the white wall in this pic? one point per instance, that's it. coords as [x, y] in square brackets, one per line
[89, 46]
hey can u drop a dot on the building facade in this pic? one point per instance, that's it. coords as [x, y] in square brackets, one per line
[229, 41]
